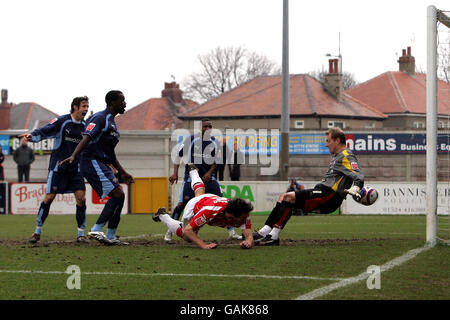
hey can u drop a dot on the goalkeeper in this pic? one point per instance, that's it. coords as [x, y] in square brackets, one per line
[343, 177]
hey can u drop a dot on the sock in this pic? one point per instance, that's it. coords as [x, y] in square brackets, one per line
[177, 213]
[180, 232]
[275, 233]
[265, 230]
[286, 213]
[198, 186]
[274, 215]
[170, 223]
[111, 233]
[42, 215]
[80, 215]
[109, 211]
[196, 181]
[97, 227]
[113, 222]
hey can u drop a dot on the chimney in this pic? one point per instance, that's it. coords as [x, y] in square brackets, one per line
[407, 63]
[172, 91]
[5, 111]
[333, 80]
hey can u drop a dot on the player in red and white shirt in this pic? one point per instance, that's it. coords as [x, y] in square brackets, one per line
[207, 208]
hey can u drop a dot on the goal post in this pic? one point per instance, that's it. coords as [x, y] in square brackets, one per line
[433, 17]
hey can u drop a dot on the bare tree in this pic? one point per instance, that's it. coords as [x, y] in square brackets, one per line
[444, 63]
[224, 69]
[348, 79]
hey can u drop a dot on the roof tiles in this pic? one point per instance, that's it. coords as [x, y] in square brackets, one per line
[262, 97]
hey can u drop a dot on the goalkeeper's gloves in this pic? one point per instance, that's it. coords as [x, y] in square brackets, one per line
[354, 192]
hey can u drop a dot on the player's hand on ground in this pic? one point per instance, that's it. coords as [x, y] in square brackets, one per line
[66, 161]
[211, 246]
[27, 136]
[173, 178]
[246, 244]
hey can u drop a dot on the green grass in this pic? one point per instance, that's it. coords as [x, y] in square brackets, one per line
[314, 246]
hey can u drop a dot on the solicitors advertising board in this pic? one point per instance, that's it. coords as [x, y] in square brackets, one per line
[401, 198]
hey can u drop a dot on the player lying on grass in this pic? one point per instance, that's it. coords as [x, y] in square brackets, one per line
[325, 197]
[199, 148]
[207, 208]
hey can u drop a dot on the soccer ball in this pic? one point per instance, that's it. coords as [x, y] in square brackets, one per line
[368, 196]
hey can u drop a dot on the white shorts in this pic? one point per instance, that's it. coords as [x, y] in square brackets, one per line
[189, 209]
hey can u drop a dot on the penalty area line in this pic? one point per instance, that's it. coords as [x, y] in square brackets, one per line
[348, 281]
[261, 276]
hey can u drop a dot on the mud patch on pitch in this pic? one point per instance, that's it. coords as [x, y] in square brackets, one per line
[180, 243]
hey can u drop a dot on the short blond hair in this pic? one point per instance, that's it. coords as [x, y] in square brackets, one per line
[336, 133]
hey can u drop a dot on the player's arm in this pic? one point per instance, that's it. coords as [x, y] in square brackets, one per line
[207, 176]
[50, 130]
[91, 133]
[190, 236]
[349, 166]
[353, 170]
[247, 233]
[248, 242]
[80, 147]
[177, 160]
[174, 177]
[125, 175]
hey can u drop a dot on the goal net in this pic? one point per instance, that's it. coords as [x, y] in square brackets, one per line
[438, 126]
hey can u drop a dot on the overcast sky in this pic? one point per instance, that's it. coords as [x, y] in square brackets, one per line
[54, 50]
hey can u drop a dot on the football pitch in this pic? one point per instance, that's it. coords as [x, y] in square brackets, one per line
[320, 257]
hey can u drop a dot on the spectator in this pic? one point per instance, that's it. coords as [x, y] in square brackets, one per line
[24, 157]
[294, 185]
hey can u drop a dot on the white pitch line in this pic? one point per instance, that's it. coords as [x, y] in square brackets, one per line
[341, 232]
[177, 275]
[348, 281]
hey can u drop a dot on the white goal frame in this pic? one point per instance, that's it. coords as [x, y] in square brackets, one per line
[433, 16]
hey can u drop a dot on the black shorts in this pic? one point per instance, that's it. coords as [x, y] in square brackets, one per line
[62, 181]
[321, 199]
[99, 176]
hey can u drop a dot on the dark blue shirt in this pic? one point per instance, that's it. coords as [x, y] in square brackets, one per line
[102, 129]
[200, 152]
[67, 134]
